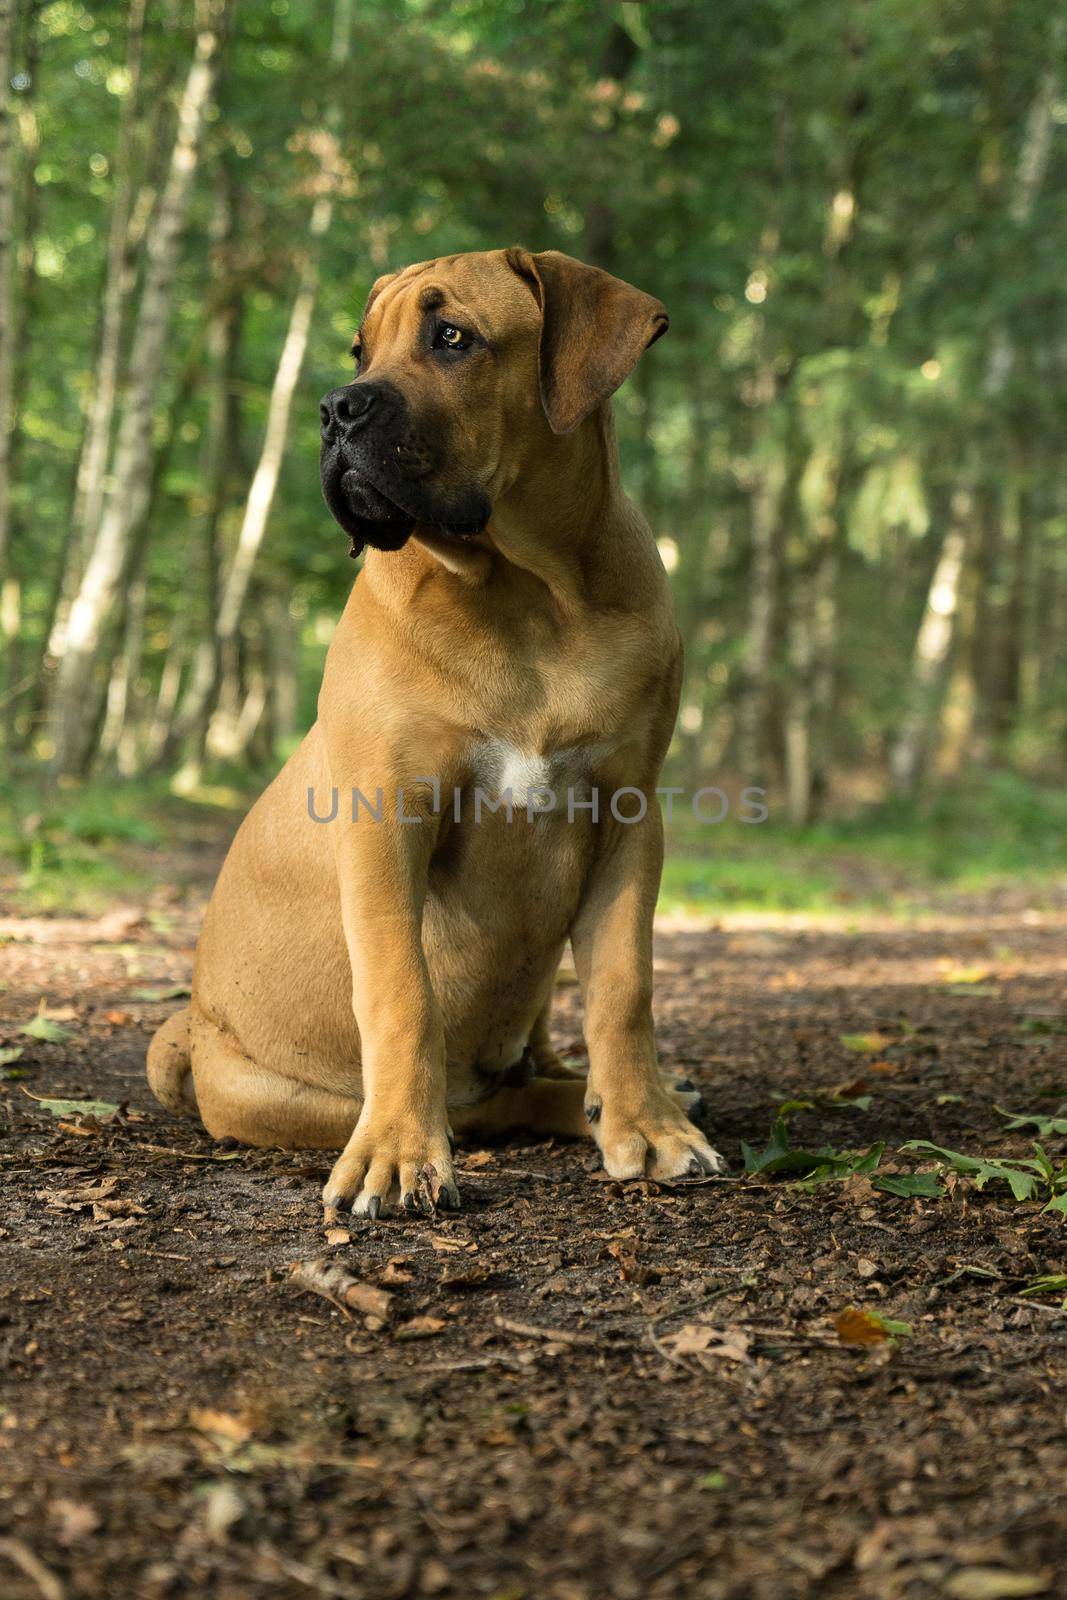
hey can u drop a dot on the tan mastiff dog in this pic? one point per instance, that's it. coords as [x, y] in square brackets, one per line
[370, 982]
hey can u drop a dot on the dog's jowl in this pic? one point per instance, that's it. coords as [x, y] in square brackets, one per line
[381, 981]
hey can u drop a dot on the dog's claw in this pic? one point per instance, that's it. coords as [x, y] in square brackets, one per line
[686, 1086]
[374, 1207]
[593, 1110]
[409, 1202]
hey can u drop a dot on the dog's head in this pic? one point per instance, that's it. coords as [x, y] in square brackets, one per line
[463, 365]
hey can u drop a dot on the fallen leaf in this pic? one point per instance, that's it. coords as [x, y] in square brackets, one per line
[950, 973]
[43, 1028]
[420, 1328]
[709, 1344]
[865, 1043]
[396, 1271]
[74, 1108]
[118, 1019]
[859, 1327]
[338, 1236]
[178, 991]
[996, 1583]
[74, 1520]
[445, 1245]
[466, 1275]
[222, 1424]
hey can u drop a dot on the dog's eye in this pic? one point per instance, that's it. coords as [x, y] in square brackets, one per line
[449, 337]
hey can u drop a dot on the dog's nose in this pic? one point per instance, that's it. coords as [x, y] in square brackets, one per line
[345, 409]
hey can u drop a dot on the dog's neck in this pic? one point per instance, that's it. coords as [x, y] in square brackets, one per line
[559, 522]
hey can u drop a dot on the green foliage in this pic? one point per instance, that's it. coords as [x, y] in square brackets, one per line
[808, 1167]
[859, 237]
[1027, 1179]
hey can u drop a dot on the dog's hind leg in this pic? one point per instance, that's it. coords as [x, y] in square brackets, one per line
[168, 1064]
[239, 1099]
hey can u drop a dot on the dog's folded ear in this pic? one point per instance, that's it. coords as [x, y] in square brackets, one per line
[593, 330]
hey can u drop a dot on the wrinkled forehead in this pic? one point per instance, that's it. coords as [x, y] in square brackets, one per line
[479, 289]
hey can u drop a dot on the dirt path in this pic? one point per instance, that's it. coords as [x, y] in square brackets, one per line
[177, 1418]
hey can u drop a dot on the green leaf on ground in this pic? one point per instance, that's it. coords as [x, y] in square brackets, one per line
[1044, 1127]
[10, 1053]
[42, 1028]
[74, 1108]
[927, 1185]
[1048, 1283]
[865, 1043]
[809, 1167]
[177, 991]
[1022, 1177]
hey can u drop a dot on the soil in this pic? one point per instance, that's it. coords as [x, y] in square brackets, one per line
[575, 1388]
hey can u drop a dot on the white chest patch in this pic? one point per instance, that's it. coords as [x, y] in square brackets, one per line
[501, 767]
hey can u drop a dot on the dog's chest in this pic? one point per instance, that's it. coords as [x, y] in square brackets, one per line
[529, 777]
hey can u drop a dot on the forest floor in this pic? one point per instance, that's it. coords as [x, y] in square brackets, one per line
[575, 1388]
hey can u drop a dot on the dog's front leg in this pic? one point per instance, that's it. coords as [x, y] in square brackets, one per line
[636, 1119]
[401, 1142]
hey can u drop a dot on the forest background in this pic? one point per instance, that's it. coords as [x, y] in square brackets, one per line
[850, 446]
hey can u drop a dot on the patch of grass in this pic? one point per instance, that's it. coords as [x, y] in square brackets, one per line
[994, 829]
[80, 847]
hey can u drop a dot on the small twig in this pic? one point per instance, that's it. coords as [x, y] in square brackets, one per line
[530, 1330]
[328, 1278]
[21, 1556]
[185, 1155]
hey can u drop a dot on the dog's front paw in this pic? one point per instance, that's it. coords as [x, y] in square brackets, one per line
[387, 1160]
[654, 1139]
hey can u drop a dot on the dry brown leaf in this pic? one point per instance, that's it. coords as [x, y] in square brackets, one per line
[445, 1245]
[396, 1270]
[223, 1424]
[859, 1327]
[74, 1520]
[338, 1236]
[420, 1328]
[708, 1344]
[118, 1019]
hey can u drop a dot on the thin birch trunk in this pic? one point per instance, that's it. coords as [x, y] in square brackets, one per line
[89, 490]
[70, 567]
[200, 711]
[932, 646]
[935, 637]
[125, 504]
[113, 738]
[7, 282]
[765, 526]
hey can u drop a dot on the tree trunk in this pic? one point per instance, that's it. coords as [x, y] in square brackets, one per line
[7, 278]
[190, 723]
[115, 736]
[201, 706]
[89, 490]
[125, 504]
[932, 646]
